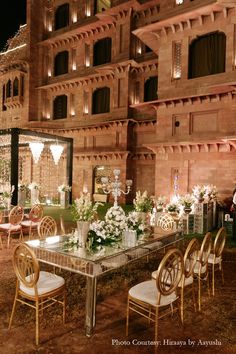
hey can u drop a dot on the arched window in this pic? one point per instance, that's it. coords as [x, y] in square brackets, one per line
[3, 97]
[150, 89]
[207, 55]
[102, 51]
[61, 63]
[60, 107]
[101, 100]
[8, 89]
[62, 16]
[16, 87]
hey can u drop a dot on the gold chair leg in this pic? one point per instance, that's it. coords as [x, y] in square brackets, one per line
[127, 319]
[213, 279]
[37, 323]
[208, 286]
[64, 307]
[199, 294]
[194, 297]
[8, 239]
[13, 309]
[182, 305]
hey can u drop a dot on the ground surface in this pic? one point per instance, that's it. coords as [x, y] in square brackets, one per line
[215, 324]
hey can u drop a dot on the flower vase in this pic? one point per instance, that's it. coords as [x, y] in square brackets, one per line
[34, 196]
[187, 210]
[21, 197]
[83, 229]
[200, 200]
[64, 200]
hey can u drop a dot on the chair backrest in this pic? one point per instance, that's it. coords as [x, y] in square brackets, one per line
[219, 242]
[190, 257]
[47, 227]
[170, 272]
[205, 249]
[26, 265]
[36, 213]
[16, 215]
[166, 222]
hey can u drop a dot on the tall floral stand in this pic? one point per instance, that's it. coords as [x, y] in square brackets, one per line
[7, 202]
[83, 229]
[34, 196]
[64, 200]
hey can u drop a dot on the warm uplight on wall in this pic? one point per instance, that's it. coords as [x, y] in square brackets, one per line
[74, 17]
[49, 73]
[179, 2]
[50, 26]
[87, 8]
[74, 66]
[86, 109]
[72, 112]
[139, 49]
[48, 116]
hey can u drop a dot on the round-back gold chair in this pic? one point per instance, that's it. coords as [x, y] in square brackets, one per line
[14, 225]
[189, 259]
[47, 227]
[35, 215]
[152, 297]
[215, 257]
[35, 288]
[201, 267]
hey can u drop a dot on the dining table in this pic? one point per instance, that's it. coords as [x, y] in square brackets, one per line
[65, 253]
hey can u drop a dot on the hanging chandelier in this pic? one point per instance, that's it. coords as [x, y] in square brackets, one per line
[36, 150]
[56, 151]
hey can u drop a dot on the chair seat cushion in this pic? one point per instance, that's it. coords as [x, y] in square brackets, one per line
[211, 259]
[47, 282]
[9, 226]
[28, 223]
[147, 292]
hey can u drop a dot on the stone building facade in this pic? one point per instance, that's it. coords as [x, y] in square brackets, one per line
[144, 86]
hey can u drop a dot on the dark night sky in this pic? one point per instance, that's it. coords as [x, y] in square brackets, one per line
[12, 15]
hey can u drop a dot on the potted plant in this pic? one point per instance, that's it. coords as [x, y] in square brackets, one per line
[187, 201]
[143, 204]
[199, 192]
[34, 193]
[172, 208]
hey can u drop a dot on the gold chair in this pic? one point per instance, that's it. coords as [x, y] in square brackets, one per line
[200, 270]
[215, 257]
[35, 215]
[152, 297]
[47, 227]
[190, 259]
[14, 226]
[35, 288]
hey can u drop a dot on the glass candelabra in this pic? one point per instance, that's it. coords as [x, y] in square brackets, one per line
[115, 187]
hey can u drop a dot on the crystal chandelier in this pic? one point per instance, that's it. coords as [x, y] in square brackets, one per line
[56, 151]
[36, 149]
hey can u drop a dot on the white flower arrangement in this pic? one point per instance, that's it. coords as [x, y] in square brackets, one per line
[135, 223]
[186, 200]
[142, 202]
[33, 185]
[172, 207]
[7, 191]
[211, 191]
[83, 209]
[199, 191]
[64, 188]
